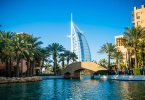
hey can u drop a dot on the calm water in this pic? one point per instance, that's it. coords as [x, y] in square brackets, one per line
[85, 89]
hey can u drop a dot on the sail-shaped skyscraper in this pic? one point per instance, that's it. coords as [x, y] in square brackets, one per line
[79, 43]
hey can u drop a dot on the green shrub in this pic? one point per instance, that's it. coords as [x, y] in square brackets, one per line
[136, 71]
[102, 72]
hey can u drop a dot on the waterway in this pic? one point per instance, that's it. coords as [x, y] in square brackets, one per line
[74, 89]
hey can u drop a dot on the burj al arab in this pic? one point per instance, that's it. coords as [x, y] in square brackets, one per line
[79, 44]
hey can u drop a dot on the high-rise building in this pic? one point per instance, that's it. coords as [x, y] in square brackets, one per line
[79, 43]
[138, 16]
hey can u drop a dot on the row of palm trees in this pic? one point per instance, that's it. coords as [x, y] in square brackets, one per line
[59, 54]
[134, 42]
[15, 47]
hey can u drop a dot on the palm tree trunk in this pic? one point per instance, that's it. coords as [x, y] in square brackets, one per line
[116, 63]
[7, 68]
[108, 61]
[143, 56]
[17, 68]
[42, 65]
[128, 60]
[10, 69]
[33, 66]
[28, 66]
[135, 56]
[21, 68]
[54, 64]
[67, 62]
[73, 59]
[62, 64]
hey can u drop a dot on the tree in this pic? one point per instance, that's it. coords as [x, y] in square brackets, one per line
[34, 53]
[44, 56]
[67, 54]
[55, 49]
[141, 51]
[20, 49]
[108, 48]
[118, 56]
[62, 59]
[133, 35]
[6, 50]
[103, 62]
[73, 56]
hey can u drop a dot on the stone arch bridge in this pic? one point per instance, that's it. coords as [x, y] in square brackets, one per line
[74, 69]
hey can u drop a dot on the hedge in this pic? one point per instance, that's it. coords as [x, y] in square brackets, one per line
[102, 72]
[136, 71]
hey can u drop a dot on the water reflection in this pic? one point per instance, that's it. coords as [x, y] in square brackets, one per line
[74, 89]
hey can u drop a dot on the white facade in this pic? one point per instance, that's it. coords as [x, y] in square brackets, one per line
[79, 43]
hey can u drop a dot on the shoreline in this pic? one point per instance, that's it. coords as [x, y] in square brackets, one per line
[5, 80]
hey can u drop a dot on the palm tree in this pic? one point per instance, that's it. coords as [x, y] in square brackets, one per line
[73, 56]
[34, 53]
[55, 49]
[6, 50]
[62, 59]
[44, 56]
[134, 35]
[141, 49]
[103, 62]
[128, 45]
[108, 48]
[67, 54]
[118, 56]
[20, 49]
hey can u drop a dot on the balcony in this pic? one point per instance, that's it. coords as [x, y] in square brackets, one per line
[133, 22]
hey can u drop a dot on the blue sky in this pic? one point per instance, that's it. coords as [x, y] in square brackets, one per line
[100, 20]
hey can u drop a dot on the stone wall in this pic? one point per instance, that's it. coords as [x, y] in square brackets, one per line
[19, 80]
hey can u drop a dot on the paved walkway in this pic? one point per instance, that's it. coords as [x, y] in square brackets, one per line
[121, 77]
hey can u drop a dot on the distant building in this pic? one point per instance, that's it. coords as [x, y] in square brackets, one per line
[138, 16]
[22, 33]
[79, 43]
[120, 47]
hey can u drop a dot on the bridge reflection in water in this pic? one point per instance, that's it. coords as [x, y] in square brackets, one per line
[85, 77]
[73, 70]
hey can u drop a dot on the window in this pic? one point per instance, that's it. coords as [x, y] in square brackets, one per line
[138, 17]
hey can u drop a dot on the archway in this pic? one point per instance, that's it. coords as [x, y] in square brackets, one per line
[67, 75]
[77, 73]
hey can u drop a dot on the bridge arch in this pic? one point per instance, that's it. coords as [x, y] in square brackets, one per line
[67, 75]
[74, 69]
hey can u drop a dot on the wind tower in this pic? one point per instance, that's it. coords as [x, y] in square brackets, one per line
[79, 43]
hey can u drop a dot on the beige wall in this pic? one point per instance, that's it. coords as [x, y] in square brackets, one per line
[139, 16]
[120, 47]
